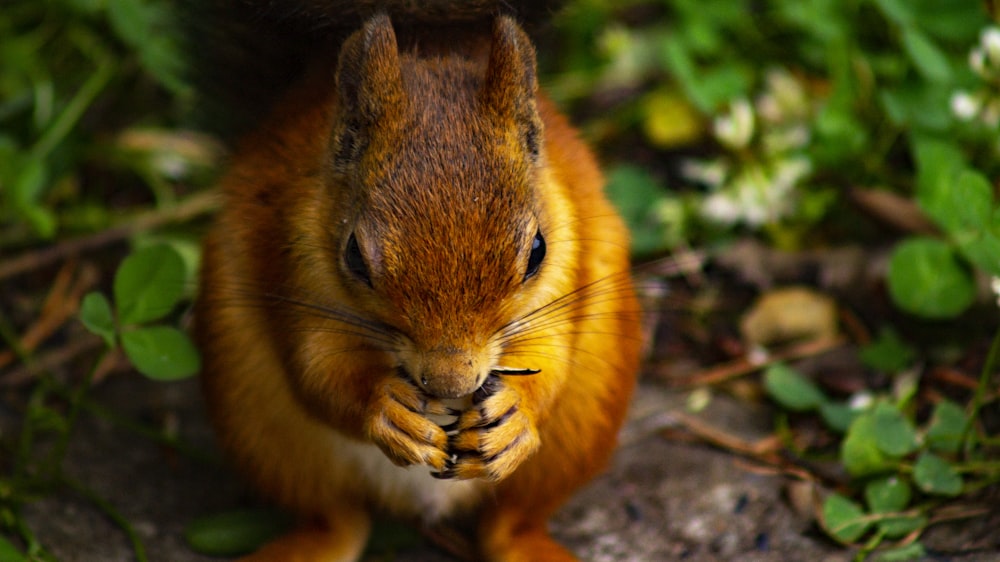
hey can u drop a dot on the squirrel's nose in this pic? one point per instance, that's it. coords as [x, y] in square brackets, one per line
[447, 373]
[448, 384]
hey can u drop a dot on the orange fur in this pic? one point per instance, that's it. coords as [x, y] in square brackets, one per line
[366, 285]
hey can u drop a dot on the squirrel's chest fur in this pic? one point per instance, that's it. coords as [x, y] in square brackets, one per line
[408, 492]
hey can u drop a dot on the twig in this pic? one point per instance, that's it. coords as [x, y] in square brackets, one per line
[48, 361]
[760, 457]
[746, 365]
[62, 302]
[761, 449]
[194, 206]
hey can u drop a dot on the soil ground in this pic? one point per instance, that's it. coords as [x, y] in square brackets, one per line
[661, 499]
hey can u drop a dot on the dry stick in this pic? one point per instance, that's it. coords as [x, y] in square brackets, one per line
[742, 366]
[45, 361]
[194, 206]
[61, 304]
[764, 448]
[763, 455]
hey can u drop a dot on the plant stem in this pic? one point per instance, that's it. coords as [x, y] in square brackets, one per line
[978, 398]
[75, 405]
[111, 513]
[66, 120]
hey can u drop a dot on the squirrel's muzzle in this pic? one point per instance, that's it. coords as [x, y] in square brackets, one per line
[447, 372]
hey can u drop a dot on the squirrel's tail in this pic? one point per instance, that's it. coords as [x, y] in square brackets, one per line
[242, 54]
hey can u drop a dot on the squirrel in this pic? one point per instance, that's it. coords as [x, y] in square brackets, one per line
[416, 299]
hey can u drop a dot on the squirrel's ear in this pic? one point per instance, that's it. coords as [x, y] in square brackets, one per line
[369, 80]
[510, 74]
[509, 88]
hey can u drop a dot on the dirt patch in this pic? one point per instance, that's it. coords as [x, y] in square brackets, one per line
[660, 499]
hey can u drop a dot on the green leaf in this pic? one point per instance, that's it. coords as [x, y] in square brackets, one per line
[897, 11]
[839, 134]
[838, 416]
[938, 163]
[974, 223]
[890, 495]
[927, 279]
[983, 251]
[896, 435]
[898, 526]
[148, 284]
[30, 178]
[95, 313]
[634, 192]
[926, 56]
[859, 451]
[843, 519]
[947, 424]
[962, 204]
[887, 494]
[912, 551]
[131, 20]
[792, 390]
[161, 352]
[918, 105]
[934, 475]
[887, 353]
[235, 532]
[10, 553]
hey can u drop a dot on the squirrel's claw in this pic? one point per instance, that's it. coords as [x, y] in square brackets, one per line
[494, 437]
[401, 429]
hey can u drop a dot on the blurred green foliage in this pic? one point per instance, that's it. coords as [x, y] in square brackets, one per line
[760, 116]
[74, 73]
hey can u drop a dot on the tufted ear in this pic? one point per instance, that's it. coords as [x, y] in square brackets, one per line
[510, 85]
[369, 80]
[510, 74]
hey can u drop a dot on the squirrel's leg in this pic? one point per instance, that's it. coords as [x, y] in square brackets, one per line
[513, 527]
[341, 538]
[507, 536]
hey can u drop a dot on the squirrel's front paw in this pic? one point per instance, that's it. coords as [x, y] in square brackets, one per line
[493, 437]
[400, 427]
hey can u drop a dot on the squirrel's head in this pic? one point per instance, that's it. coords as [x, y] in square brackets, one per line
[441, 225]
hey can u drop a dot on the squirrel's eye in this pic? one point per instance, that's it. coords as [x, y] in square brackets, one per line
[356, 262]
[536, 256]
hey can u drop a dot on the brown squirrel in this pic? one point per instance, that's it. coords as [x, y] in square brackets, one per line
[416, 299]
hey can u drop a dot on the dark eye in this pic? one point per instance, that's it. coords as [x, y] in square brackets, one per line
[536, 256]
[356, 262]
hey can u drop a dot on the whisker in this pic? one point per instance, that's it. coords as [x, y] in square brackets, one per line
[249, 295]
[576, 300]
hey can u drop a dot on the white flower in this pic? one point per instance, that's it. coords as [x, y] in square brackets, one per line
[860, 401]
[735, 129]
[965, 106]
[989, 41]
[758, 193]
[721, 207]
[788, 172]
[783, 99]
[977, 62]
[711, 173]
[984, 59]
[786, 139]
